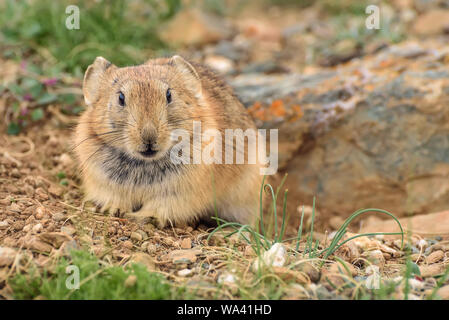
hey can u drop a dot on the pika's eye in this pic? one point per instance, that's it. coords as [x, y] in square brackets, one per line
[121, 99]
[168, 95]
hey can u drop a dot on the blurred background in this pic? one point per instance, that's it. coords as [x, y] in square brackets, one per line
[362, 113]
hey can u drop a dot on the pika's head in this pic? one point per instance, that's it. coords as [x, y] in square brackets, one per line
[139, 106]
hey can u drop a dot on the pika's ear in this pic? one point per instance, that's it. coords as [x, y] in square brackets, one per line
[92, 78]
[191, 77]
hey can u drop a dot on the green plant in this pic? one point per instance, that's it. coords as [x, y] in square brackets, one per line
[260, 239]
[125, 32]
[97, 281]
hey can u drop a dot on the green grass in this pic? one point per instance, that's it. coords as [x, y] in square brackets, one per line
[96, 282]
[262, 240]
[125, 32]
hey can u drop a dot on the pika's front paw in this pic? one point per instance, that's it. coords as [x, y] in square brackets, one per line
[142, 218]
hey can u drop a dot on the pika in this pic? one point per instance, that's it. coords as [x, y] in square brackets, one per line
[123, 144]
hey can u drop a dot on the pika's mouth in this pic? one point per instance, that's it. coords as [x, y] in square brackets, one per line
[149, 150]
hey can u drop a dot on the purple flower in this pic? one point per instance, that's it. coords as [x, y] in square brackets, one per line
[23, 111]
[27, 97]
[50, 81]
[23, 64]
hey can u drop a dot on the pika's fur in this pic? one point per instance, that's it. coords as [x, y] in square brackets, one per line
[123, 143]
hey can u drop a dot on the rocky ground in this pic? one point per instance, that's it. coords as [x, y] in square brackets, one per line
[359, 126]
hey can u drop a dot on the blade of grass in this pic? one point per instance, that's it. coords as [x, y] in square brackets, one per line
[284, 211]
[298, 238]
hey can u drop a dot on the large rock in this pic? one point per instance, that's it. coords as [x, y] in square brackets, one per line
[372, 133]
[432, 22]
[193, 27]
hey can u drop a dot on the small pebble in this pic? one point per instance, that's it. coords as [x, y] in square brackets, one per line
[58, 216]
[68, 230]
[18, 225]
[37, 228]
[4, 225]
[186, 243]
[443, 292]
[435, 256]
[143, 234]
[151, 248]
[128, 244]
[226, 278]
[184, 272]
[136, 236]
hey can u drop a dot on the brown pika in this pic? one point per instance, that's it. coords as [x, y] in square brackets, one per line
[124, 146]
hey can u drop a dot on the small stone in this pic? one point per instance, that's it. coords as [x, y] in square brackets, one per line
[128, 244]
[55, 191]
[366, 243]
[4, 225]
[435, 256]
[338, 274]
[68, 230]
[65, 160]
[389, 250]
[68, 246]
[40, 213]
[149, 228]
[417, 257]
[186, 243]
[443, 292]
[431, 270]
[9, 242]
[130, 281]
[58, 216]
[27, 228]
[15, 173]
[376, 257]
[41, 194]
[143, 234]
[144, 245]
[56, 239]
[144, 259]
[151, 248]
[7, 256]
[136, 237]
[226, 278]
[287, 274]
[35, 244]
[276, 256]
[18, 225]
[183, 256]
[185, 272]
[311, 271]
[14, 207]
[422, 243]
[37, 228]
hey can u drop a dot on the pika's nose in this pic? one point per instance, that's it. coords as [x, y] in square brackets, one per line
[149, 149]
